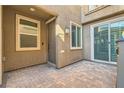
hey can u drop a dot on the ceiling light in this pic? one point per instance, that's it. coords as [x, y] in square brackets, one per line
[32, 9]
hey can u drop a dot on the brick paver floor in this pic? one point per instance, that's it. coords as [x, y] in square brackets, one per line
[78, 75]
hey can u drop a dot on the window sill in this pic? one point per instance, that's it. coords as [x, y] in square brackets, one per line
[27, 49]
[78, 48]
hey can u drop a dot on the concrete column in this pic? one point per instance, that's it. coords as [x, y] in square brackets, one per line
[120, 68]
[0, 44]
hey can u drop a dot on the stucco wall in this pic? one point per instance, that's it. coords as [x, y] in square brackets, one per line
[120, 69]
[87, 35]
[51, 43]
[17, 59]
[87, 41]
[64, 55]
[104, 12]
[0, 44]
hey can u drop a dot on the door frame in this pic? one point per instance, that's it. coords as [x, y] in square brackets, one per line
[92, 38]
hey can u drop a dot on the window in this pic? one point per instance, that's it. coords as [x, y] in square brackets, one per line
[75, 36]
[27, 33]
[92, 7]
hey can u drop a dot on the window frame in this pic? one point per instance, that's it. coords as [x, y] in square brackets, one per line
[94, 7]
[77, 25]
[18, 47]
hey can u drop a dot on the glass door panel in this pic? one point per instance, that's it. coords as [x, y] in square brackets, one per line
[101, 47]
[116, 30]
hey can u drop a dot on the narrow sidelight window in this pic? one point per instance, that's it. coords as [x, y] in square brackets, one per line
[27, 33]
[75, 36]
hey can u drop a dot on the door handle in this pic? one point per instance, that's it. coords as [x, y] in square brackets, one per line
[117, 50]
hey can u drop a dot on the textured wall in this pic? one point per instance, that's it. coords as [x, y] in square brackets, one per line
[101, 13]
[120, 74]
[0, 45]
[17, 59]
[86, 41]
[64, 55]
[51, 43]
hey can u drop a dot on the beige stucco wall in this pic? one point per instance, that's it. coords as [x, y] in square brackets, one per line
[104, 12]
[120, 67]
[18, 59]
[0, 44]
[64, 55]
[87, 35]
[51, 42]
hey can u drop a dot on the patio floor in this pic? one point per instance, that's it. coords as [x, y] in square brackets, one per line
[78, 75]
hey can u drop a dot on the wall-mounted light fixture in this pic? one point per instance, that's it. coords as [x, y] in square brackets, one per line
[67, 30]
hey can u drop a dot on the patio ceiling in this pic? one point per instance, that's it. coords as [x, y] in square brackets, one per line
[34, 11]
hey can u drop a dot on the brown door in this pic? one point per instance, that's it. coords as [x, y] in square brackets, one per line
[15, 58]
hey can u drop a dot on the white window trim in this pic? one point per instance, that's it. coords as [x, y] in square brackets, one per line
[92, 36]
[18, 48]
[94, 7]
[77, 25]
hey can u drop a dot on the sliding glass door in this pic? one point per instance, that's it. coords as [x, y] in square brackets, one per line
[101, 43]
[105, 37]
[116, 30]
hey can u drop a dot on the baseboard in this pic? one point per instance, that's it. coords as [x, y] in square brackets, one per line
[52, 64]
[26, 67]
[1, 86]
[100, 62]
[70, 63]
